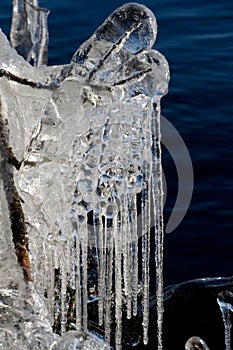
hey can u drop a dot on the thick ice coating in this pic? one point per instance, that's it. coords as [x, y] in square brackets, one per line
[95, 146]
[129, 30]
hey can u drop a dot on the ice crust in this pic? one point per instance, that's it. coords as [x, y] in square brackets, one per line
[88, 136]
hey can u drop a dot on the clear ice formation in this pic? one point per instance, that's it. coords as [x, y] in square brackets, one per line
[225, 302]
[196, 343]
[87, 135]
[29, 31]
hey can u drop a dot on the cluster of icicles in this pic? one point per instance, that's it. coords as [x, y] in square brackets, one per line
[117, 170]
[105, 192]
[114, 232]
[105, 170]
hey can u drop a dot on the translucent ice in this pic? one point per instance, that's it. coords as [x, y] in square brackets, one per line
[88, 136]
[76, 340]
[225, 302]
[29, 31]
[195, 343]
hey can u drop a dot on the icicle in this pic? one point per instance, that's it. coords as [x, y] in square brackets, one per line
[83, 239]
[44, 265]
[72, 262]
[67, 256]
[118, 282]
[145, 249]
[108, 249]
[133, 243]
[63, 293]
[50, 281]
[56, 260]
[225, 302]
[98, 232]
[65, 270]
[78, 309]
[126, 251]
[29, 31]
[157, 192]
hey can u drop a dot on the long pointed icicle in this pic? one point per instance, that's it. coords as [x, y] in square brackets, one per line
[225, 302]
[108, 275]
[145, 250]
[132, 207]
[78, 296]
[98, 231]
[127, 268]
[118, 283]
[83, 253]
[157, 192]
[63, 294]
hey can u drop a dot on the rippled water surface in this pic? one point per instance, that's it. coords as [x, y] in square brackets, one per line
[197, 39]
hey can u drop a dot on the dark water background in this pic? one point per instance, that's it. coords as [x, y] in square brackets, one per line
[196, 37]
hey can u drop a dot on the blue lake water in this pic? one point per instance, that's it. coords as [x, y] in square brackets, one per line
[197, 39]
